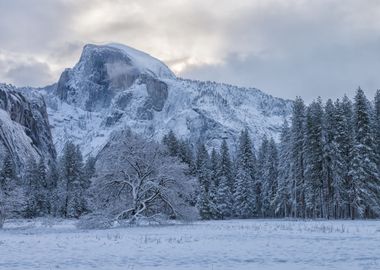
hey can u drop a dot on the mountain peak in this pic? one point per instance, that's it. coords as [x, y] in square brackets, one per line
[103, 71]
[140, 61]
[114, 87]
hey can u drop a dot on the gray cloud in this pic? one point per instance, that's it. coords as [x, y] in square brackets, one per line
[328, 72]
[30, 74]
[286, 48]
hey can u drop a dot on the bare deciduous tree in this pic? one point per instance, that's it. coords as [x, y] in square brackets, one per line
[138, 179]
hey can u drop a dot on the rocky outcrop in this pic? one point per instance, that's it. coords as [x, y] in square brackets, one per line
[104, 71]
[24, 126]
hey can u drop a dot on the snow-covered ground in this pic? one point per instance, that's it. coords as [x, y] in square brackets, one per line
[235, 244]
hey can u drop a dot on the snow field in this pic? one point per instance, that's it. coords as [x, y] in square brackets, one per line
[235, 244]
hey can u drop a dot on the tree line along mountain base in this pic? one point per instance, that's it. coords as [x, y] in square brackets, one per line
[325, 165]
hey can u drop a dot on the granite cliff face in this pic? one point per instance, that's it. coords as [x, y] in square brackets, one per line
[105, 71]
[115, 87]
[24, 126]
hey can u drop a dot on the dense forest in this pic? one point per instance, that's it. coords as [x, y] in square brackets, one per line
[326, 164]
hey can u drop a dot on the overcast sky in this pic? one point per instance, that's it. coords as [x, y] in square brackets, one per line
[284, 47]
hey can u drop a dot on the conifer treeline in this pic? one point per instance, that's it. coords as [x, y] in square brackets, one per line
[54, 189]
[326, 165]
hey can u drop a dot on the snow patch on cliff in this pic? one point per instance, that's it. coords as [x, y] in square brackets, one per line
[144, 62]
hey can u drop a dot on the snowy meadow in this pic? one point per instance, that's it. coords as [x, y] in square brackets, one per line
[233, 244]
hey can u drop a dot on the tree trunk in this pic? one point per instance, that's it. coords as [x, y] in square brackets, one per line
[2, 217]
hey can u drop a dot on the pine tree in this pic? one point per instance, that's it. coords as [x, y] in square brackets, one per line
[8, 175]
[283, 193]
[203, 175]
[329, 151]
[364, 173]
[203, 203]
[297, 158]
[11, 194]
[81, 185]
[44, 193]
[346, 150]
[73, 183]
[343, 155]
[186, 155]
[89, 167]
[214, 185]
[32, 187]
[171, 141]
[269, 173]
[314, 160]
[245, 196]
[272, 174]
[224, 198]
[37, 192]
[261, 180]
[53, 188]
[376, 127]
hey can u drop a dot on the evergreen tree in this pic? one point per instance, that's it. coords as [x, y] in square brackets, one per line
[283, 193]
[343, 155]
[42, 173]
[89, 167]
[245, 196]
[364, 173]
[377, 127]
[37, 192]
[44, 187]
[8, 176]
[261, 181]
[329, 151]
[32, 187]
[224, 198]
[203, 175]
[171, 141]
[214, 185]
[272, 172]
[11, 194]
[203, 203]
[297, 158]
[73, 183]
[53, 188]
[314, 160]
[186, 156]
[269, 176]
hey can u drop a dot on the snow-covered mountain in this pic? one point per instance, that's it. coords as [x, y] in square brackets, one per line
[115, 87]
[24, 127]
